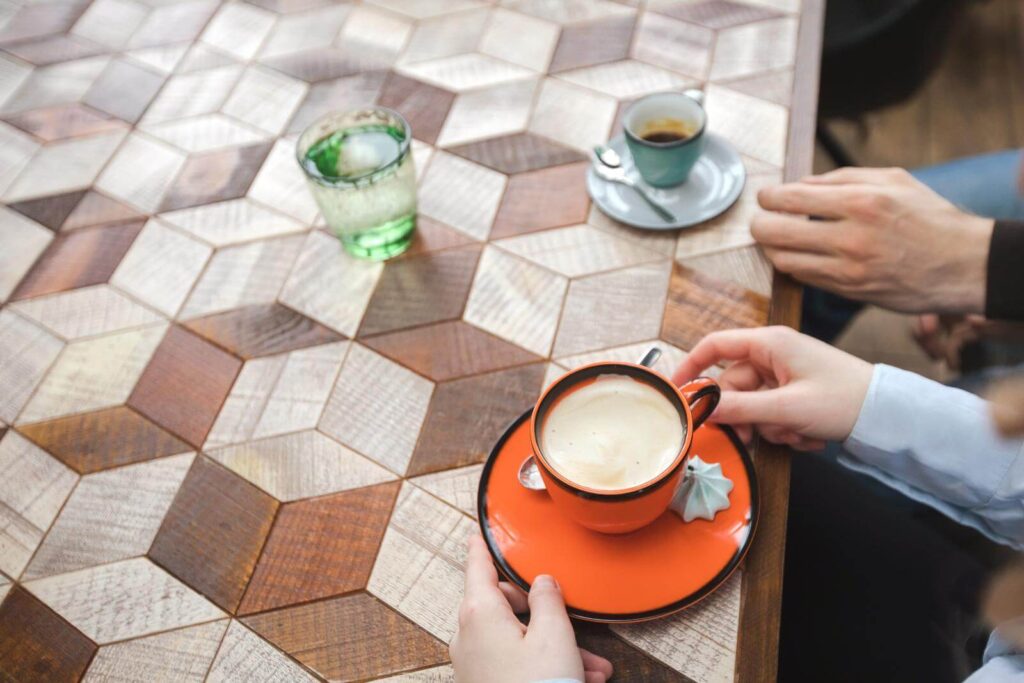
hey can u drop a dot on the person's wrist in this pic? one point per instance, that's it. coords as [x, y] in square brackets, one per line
[964, 283]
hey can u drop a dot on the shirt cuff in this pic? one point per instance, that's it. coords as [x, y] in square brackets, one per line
[1004, 287]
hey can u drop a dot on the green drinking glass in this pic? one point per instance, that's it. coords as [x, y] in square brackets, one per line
[360, 170]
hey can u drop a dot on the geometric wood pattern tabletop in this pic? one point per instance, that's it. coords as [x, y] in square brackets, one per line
[229, 451]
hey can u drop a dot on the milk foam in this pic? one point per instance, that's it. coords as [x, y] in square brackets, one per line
[613, 433]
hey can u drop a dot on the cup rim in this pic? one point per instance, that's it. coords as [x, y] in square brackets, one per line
[369, 176]
[631, 492]
[663, 145]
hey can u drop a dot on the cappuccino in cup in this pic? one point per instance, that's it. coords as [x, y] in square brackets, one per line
[612, 432]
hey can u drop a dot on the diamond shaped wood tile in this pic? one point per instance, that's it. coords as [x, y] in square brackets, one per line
[110, 516]
[92, 442]
[457, 487]
[192, 94]
[265, 99]
[184, 385]
[244, 656]
[215, 176]
[24, 240]
[86, 312]
[49, 211]
[755, 127]
[262, 330]
[62, 83]
[464, 72]
[238, 29]
[348, 525]
[715, 14]
[316, 635]
[281, 185]
[731, 229]
[631, 663]
[445, 36]
[754, 48]
[26, 352]
[122, 600]
[348, 93]
[677, 45]
[746, 266]
[627, 79]
[64, 121]
[141, 172]
[36, 644]
[33, 488]
[461, 194]
[487, 112]
[520, 39]
[306, 30]
[593, 42]
[578, 250]
[698, 304]
[96, 208]
[124, 89]
[16, 153]
[229, 222]
[547, 198]
[214, 532]
[52, 49]
[517, 153]
[182, 655]
[204, 133]
[434, 235]
[574, 116]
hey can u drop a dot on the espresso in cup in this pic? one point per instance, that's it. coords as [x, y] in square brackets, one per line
[612, 432]
[667, 130]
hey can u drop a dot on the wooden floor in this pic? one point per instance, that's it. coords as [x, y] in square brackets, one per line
[973, 103]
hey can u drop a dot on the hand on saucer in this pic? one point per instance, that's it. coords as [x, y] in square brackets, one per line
[791, 388]
[492, 645]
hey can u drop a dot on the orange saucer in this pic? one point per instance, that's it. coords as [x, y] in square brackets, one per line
[646, 574]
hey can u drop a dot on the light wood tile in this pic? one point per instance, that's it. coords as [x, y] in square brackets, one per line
[593, 316]
[123, 600]
[488, 112]
[754, 127]
[94, 373]
[110, 516]
[419, 569]
[627, 79]
[377, 408]
[16, 150]
[437, 674]
[330, 286]
[23, 240]
[244, 656]
[578, 250]
[184, 655]
[671, 356]
[302, 389]
[161, 59]
[243, 275]
[464, 72]
[265, 99]
[300, 465]
[110, 22]
[775, 86]
[379, 35]
[56, 84]
[446, 36]
[161, 266]
[64, 166]
[238, 29]
[746, 266]
[173, 22]
[570, 11]
[204, 133]
[141, 172]
[86, 312]
[461, 194]
[423, 106]
[26, 352]
[572, 115]
[672, 44]
[281, 184]
[699, 642]
[244, 405]
[663, 242]
[66, 120]
[316, 28]
[192, 94]
[232, 221]
[422, 9]
[731, 229]
[96, 209]
[520, 39]
[456, 487]
[12, 74]
[754, 48]
[33, 488]
[516, 300]
[349, 92]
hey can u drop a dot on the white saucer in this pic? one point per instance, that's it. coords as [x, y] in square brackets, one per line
[714, 184]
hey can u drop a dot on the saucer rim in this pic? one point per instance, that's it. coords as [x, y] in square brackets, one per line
[679, 225]
[626, 617]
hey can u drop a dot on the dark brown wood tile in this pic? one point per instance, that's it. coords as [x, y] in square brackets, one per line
[592, 42]
[262, 330]
[698, 304]
[517, 153]
[77, 259]
[716, 14]
[124, 89]
[315, 65]
[350, 92]
[466, 416]
[98, 209]
[37, 645]
[423, 106]
[449, 350]
[323, 637]
[64, 121]
[216, 176]
[434, 235]
[90, 442]
[420, 290]
[49, 211]
[33, 21]
[214, 531]
[53, 49]
[630, 664]
[547, 198]
[320, 548]
[184, 385]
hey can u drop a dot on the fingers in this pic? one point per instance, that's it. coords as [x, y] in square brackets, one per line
[866, 176]
[753, 344]
[594, 677]
[515, 596]
[481, 576]
[809, 199]
[740, 376]
[780, 231]
[806, 266]
[596, 663]
[752, 407]
[548, 618]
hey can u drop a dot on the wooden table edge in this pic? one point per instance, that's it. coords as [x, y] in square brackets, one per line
[757, 648]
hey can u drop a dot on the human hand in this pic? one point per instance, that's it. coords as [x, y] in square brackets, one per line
[791, 388]
[943, 337]
[492, 645]
[886, 239]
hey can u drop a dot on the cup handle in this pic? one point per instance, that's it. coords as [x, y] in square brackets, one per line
[703, 395]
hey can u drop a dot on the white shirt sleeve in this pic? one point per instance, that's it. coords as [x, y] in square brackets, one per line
[937, 445]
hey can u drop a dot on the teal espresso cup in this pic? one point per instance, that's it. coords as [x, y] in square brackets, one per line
[665, 134]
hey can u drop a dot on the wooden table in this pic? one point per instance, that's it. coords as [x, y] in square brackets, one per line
[231, 452]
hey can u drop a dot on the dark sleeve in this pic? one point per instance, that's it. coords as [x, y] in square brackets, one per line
[1004, 293]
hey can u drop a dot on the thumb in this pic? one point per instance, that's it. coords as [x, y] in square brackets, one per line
[547, 610]
[751, 407]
